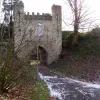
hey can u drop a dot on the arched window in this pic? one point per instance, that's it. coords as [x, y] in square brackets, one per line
[39, 30]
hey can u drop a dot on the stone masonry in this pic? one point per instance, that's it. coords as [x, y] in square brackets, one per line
[26, 38]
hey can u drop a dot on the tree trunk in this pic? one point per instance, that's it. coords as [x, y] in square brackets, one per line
[74, 39]
[76, 24]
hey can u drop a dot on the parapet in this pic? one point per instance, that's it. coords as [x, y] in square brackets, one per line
[44, 16]
[56, 6]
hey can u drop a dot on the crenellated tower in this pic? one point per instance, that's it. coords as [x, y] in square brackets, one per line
[18, 10]
[57, 23]
[25, 27]
[57, 16]
[18, 20]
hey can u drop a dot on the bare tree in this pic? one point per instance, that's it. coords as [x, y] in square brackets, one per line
[80, 17]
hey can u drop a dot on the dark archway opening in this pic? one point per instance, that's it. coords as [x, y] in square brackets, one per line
[42, 55]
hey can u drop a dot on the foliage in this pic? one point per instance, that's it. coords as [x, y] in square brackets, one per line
[66, 34]
[84, 61]
[13, 72]
[87, 45]
[16, 73]
[67, 38]
[95, 31]
[6, 31]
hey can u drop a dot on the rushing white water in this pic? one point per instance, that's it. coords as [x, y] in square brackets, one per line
[60, 87]
[85, 84]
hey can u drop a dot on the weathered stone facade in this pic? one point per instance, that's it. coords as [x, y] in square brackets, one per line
[25, 26]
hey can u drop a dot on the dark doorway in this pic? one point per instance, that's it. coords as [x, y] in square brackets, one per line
[42, 55]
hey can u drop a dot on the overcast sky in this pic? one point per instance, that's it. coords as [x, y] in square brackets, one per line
[44, 6]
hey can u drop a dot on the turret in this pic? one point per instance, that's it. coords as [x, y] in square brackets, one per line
[57, 16]
[56, 13]
[18, 15]
[18, 10]
[57, 27]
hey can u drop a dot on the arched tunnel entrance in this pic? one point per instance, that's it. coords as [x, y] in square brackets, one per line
[42, 55]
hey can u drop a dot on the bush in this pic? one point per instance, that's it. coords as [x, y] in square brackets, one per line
[87, 45]
[95, 31]
[14, 73]
[66, 38]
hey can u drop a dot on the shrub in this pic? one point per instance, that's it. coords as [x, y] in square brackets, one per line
[14, 73]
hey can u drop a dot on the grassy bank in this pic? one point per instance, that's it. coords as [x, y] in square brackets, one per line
[39, 91]
[83, 62]
[30, 89]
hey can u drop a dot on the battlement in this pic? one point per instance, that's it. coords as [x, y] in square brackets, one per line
[44, 16]
[56, 6]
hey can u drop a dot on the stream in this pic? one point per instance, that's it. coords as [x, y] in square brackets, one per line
[71, 89]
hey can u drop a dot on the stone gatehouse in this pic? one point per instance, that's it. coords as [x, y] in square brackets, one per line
[35, 31]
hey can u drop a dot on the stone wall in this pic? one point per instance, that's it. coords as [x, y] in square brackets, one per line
[25, 29]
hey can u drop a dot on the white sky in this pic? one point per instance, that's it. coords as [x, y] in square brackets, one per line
[44, 6]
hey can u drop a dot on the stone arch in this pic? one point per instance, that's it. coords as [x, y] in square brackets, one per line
[42, 55]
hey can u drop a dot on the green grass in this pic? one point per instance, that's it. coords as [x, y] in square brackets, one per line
[62, 65]
[39, 91]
